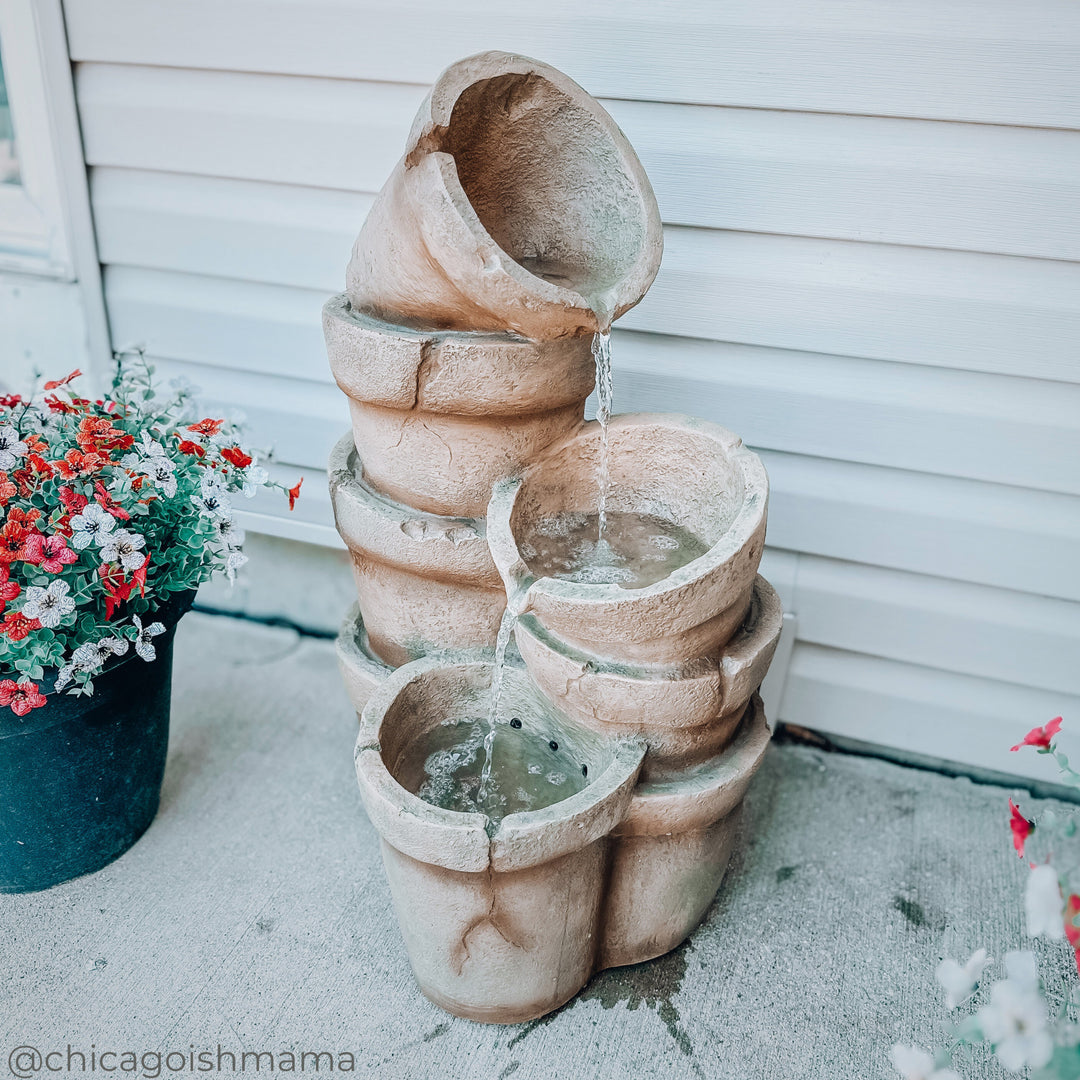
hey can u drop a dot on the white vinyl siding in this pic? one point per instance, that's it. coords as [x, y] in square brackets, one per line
[872, 273]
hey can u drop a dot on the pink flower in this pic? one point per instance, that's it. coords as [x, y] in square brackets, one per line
[20, 696]
[1021, 828]
[1041, 736]
[51, 553]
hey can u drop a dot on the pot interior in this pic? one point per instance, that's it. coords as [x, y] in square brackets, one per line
[432, 743]
[547, 181]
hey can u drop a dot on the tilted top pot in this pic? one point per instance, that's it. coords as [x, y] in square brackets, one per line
[518, 205]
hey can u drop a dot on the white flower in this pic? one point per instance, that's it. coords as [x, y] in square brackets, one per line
[959, 981]
[915, 1064]
[11, 446]
[91, 526]
[152, 462]
[48, 605]
[144, 644]
[228, 532]
[1043, 905]
[90, 657]
[1015, 1020]
[125, 548]
[254, 478]
[93, 654]
[212, 500]
[233, 562]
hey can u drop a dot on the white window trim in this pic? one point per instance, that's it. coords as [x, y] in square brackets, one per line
[46, 229]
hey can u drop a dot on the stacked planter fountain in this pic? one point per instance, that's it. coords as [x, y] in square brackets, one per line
[517, 214]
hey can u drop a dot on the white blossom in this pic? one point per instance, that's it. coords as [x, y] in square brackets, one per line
[11, 446]
[233, 562]
[151, 461]
[48, 605]
[213, 498]
[960, 980]
[144, 644]
[254, 478]
[915, 1064]
[1043, 905]
[90, 656]
[125, 548]
[1014, 1021]
[228, 532]
[91, 526]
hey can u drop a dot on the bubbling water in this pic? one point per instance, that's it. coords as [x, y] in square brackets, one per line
[635, 550]
[526, 771]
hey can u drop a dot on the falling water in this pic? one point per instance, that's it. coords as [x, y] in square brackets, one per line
[601, 351]
[506, 630]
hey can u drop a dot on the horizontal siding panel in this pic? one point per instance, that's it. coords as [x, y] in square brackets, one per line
[954, 309]
[922, 711]
[982, 60]
[991, 313]
[897, 415]
[988, 534]
[998, 189]
[937, 623]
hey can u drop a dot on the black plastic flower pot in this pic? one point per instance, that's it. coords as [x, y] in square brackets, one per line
[80, 777]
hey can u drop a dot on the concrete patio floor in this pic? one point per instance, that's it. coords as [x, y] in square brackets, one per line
[254, 915]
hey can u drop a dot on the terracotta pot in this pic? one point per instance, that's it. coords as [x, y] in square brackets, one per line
[439, 417]
[685, 712]
[687, 471]
[80, 777]
[501, 922]
[518, 205]
[361, 670]
[425, 582]
[672, 849]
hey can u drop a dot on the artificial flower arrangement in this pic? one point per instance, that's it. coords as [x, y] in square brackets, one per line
[108, 507]
[1015, 1022]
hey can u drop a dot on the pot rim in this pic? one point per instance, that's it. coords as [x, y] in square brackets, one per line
[440, 166]
[613, 598]
[462, 841]
[376, 526]
[170, 612]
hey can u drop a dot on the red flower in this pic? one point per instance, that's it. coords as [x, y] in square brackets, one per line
[236, 456]
[9, 401]
[13, 535]
[1072, 931]
[206, 427]
[117, 590]
[8, 490]
[71, 500]
[294, 493]
[16, 625]
[21, 696]
[9, 590]
[1021, 828]
[74, 463]
[97, 433]
[58, 405]
[139, 576]
[51, 553]
[1041, 736]
[189, 447]
[105, 501]
[55, 384]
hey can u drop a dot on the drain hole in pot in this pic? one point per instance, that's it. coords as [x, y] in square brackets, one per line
[584, 770]
[553, 744]
[515, 722]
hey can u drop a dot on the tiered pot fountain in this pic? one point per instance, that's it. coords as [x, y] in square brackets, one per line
[570, 805]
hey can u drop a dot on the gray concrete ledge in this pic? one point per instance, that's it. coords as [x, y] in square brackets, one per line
[254, 913]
